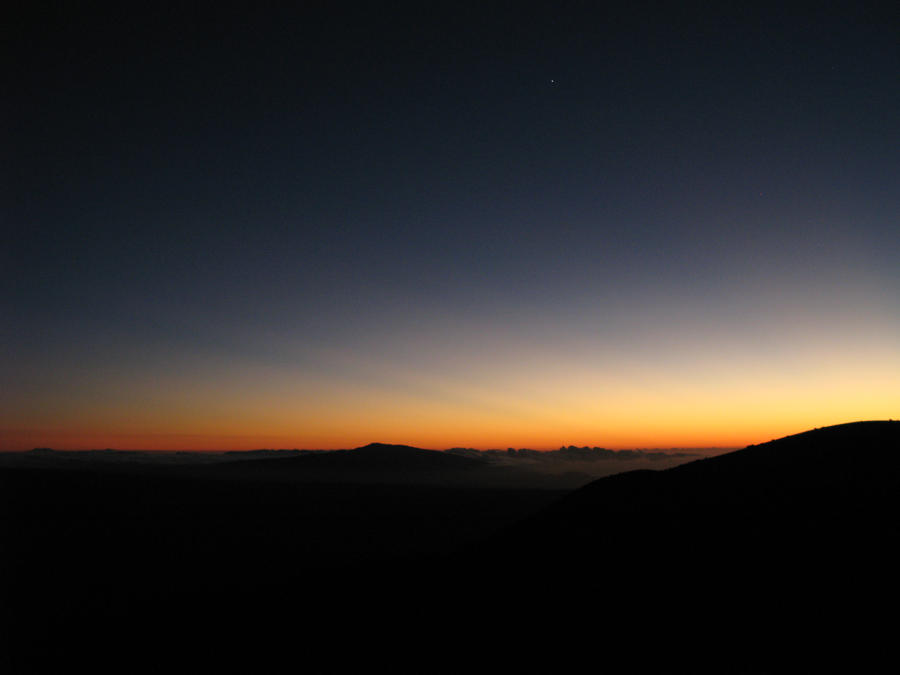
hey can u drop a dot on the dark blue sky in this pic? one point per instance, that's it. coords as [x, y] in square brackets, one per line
[360, 194]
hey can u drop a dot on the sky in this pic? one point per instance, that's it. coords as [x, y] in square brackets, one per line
[462, 224]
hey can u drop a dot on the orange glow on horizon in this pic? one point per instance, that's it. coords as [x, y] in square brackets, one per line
[692, 392]
[723, 436]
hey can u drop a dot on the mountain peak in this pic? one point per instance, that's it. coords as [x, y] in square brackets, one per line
[390, 446]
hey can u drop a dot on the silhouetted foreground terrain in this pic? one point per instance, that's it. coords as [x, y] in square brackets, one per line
[776, 558]
[779, 557]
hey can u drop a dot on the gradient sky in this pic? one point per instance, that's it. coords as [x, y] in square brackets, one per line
[448, 225]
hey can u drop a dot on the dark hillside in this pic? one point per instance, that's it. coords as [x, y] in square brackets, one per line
[746, 548]
[826, 477]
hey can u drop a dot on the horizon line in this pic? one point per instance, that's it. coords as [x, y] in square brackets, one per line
[338, 449]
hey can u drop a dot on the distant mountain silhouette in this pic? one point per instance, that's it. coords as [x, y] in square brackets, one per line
[407, 457]
[375, 462]
[563, 469]
[385, 464]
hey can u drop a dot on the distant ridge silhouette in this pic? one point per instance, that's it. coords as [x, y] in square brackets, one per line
[372, 463]
[388, 447]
